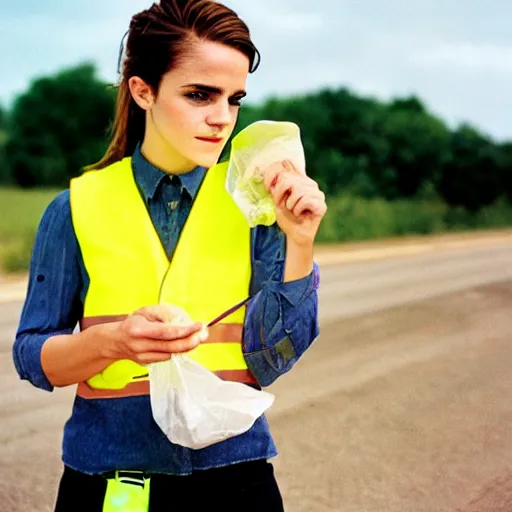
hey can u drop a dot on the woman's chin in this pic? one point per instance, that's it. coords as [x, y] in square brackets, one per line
[208, 160]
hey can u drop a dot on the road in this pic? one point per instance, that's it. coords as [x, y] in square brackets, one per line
[402, 404]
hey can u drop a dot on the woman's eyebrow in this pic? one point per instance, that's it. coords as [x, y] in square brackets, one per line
[213, 90]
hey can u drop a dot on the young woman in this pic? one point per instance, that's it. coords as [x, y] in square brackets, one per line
[151, 224]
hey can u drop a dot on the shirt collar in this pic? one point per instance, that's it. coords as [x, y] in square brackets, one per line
[149, 177]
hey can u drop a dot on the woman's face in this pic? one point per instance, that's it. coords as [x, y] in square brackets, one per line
[194, 113]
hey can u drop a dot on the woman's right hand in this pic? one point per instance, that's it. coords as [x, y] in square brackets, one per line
[148, 336]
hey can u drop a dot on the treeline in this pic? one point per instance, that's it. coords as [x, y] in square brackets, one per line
[59, 125]
[394, 150]
[354, 145]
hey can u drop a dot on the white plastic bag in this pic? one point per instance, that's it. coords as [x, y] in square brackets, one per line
[195, 408]
[254, 149]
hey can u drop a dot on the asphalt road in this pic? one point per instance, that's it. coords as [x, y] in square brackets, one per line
[401, 404]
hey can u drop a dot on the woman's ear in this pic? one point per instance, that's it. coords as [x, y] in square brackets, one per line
[141, 92]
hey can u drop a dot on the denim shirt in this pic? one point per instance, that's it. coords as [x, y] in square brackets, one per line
[107, 434]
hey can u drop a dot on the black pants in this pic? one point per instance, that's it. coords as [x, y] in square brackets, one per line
[246, 487]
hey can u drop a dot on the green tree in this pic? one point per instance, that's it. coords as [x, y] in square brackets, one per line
[348, 122]
[5, 175]
[411, 104]
[58, 126]
[3, 119]
[505, 164]
[472, 176]
[417, 149]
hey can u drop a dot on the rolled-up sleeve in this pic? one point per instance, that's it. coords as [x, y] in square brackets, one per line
[282, 319]
[52, 305]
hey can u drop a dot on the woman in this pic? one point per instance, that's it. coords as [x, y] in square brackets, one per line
[150, 225]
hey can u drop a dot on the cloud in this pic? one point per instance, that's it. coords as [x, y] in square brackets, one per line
[456, 56]
[283, 21]
[468, 56]
[39, 38]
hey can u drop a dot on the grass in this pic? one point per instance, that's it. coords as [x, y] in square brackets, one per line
[20, 213]
[351, 218]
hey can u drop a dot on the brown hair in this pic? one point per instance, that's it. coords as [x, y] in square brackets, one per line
[156, 38]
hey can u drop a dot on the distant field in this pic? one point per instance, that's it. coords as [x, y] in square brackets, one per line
[21, 210]
[20, 213]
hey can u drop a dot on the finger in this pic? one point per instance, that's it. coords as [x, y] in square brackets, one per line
[168, 347]
[153, 357]
[314, 205]
[300, 189]
[290, 189]
[294, 198]
[142, 328]
[161, 347]
[178, 332]
[271, 174]
[290, 166]
[162, 313]
[282, 189]
[296, 178]
[150, 313]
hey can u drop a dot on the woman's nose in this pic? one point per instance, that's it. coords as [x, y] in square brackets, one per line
[221, 115]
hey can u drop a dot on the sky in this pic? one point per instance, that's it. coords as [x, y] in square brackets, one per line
[455, 55]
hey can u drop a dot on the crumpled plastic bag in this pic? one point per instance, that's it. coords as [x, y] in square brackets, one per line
[195, 408]
[253, 150]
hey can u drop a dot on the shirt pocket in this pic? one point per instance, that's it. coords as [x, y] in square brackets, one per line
[281, 356]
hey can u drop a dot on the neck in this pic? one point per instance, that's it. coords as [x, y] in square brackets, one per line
[158, 153]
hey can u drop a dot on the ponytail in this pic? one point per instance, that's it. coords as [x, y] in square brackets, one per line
[127, 129]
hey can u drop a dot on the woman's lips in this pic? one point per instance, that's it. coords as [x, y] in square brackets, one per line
[213, 140]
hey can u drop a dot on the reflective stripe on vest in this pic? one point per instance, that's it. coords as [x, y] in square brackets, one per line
[128, 268]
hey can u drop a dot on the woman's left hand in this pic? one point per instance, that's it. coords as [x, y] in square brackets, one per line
[300, 204]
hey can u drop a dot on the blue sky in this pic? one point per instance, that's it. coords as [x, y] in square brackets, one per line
[454, 54]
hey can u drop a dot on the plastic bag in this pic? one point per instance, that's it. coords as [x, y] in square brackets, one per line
[195, 408]
[253, 150]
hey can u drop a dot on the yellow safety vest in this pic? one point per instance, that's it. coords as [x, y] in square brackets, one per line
[210, 270]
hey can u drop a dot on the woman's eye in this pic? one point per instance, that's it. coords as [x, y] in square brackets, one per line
[236, 102]
[197, 96]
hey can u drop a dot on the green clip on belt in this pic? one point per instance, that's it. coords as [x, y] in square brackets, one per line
[127, 493]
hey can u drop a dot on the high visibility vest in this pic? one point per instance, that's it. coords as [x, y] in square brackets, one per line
[128, 268]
